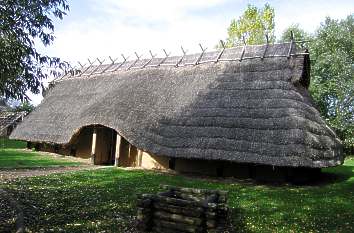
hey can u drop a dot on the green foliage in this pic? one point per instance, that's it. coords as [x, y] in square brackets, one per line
[299, 34]
[254, 25]
[6, 143]
[104, 200]
[14, 158]
[332, 74]
[25, 107]
[22, 23]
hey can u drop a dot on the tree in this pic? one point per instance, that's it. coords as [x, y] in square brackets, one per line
[332, 74]
[299, 34]
[22, 23]
[253, 25]
[24, 107]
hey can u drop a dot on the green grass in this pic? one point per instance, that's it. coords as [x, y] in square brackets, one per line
[15, 158]
[6, 143]
[104, 201]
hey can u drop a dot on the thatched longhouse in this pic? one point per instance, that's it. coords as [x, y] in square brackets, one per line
[211, 113]
[8, 119]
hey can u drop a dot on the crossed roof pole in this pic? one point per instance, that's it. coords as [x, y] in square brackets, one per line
[95, 66]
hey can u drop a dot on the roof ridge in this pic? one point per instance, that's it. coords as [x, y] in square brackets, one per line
[237, 53]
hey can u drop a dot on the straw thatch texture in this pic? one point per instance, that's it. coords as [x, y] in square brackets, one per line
[9, 120]
[254, 111]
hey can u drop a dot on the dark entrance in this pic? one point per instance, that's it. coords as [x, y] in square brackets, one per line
[128, 155]
[105, 146]
[99, 138]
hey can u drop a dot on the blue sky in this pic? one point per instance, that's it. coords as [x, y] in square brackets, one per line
[102, 28]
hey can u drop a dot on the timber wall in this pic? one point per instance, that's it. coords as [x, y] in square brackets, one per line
[130, 156]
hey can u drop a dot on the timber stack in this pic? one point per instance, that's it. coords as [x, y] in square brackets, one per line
[183, 210]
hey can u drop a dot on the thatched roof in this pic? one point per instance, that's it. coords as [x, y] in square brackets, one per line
[9, 119]
[257, 110]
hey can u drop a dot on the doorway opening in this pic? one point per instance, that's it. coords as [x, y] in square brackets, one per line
[100, 148]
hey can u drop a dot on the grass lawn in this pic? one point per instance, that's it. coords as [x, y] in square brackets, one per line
[15, 158]
[12, 157]
[104, 201]
[6, 143]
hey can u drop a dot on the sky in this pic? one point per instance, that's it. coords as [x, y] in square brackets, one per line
[101, 28]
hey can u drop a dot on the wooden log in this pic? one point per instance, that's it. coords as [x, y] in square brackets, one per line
[146, 221]
[144, 211]
[183, 210]
[210, 214]
[221, 208]
[144, 218]
[178, 218]
[222, 196]
[210, 206]
[188, 190]
[220, 193]
[221, 215]
[144, 226]
[177, 226]
[212, 198]
[177, 202]
[200, 194]
[168, 193]
[144, 203]
[216, 207]
[211, 224]
[188, 211]
[160, 229]
[145, 196]
[192, 191]
[189, 197]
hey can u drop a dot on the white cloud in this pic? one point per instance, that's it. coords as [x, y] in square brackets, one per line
[126, 26]
[161, 24]
[153, 9]
[309, 14]
[131, 25]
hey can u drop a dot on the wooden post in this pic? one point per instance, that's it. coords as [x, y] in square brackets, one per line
[118, 143]
[93, 149]
[140, 158]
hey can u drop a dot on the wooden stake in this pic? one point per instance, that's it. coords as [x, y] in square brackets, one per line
[93, 148]
[118, 143]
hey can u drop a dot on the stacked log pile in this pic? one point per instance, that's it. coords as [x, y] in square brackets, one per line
[182, 210]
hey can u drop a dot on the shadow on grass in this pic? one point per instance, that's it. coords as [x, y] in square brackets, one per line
[104, 200]
[341, 175]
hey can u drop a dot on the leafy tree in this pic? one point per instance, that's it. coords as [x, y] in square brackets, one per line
[22, 23]
[299, 34]
[25, 107]
[253, 25]
[332, 74]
